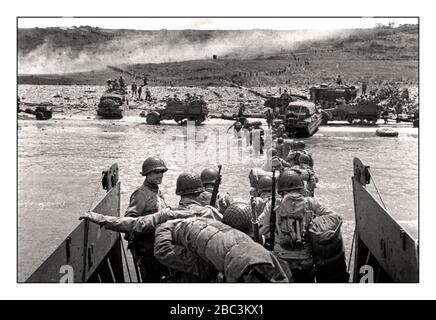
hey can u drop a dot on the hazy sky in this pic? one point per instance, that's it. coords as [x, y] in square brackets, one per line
[213, 23]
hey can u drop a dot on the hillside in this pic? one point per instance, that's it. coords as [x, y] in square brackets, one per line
[372, 54]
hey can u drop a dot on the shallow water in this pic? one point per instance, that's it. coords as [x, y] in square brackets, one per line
[60, 163]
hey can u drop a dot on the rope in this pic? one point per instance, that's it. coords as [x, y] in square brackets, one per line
[125, 257]
[375, 185]
[351, 251]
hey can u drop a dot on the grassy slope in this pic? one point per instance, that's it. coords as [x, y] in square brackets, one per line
[371, 54]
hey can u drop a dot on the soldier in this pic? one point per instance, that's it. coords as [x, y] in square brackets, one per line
[148, 95]
[294, 214]
[307, 174]
[237, 126]
[122, 84]
[264, 188]
[301, 149]
[139, 92]
[142, 227]
[279, 147]
[241, 110]
[339, 80]
[134, 89]
[269, 117]
[208, 178]
[204, 250]
[146, 200]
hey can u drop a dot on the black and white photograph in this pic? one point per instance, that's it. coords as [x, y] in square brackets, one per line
[244, 149]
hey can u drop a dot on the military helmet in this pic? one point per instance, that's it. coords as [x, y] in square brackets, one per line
[280, 140]
[209, 175]
[273, 152]
[238, 216]
[304, 159]
[188, 183]
[153, 164]
[301, 144]
[264, 184]
[289, 180]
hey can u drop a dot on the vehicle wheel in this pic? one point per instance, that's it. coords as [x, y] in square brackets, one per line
[324, 120]
[39, 116]
[152, 119]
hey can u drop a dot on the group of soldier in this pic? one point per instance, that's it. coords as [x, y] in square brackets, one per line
[211, 237]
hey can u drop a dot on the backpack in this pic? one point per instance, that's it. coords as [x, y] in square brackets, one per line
[293, 217]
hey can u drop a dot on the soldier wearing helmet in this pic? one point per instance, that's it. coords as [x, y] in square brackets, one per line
[301, 148]
[293, 204]
[279, 147]
[146, 200]
[306, 173]
[208, 177]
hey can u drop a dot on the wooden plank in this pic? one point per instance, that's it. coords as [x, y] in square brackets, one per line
[395, 250]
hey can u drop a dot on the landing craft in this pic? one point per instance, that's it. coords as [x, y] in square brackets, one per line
[384, 251]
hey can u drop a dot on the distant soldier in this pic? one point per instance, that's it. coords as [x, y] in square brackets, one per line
[241, 110]
[148, 95]
[338, 79]
[122, 84]
[145, 80]
[285, 95]
[139, 92]
[364, 87]
[116, 84]
[237, 126]
[269, 117]
[134, 89]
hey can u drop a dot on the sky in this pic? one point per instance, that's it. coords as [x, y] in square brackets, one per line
[153, 23]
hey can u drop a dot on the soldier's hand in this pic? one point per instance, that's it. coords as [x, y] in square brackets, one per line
[93, 217]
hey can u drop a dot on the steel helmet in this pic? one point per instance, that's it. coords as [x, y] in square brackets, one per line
[188, 183]
[273, 152]
[289, 180]
[238, 216]
[304, 159]
[153, 164]
[264, 184]
[280, 140]
[209, 175]
[301, 144]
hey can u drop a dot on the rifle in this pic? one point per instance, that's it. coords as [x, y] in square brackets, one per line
[254, 221]
[216, 187]
[272, 220]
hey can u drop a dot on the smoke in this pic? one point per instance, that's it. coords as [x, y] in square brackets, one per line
[163, 46]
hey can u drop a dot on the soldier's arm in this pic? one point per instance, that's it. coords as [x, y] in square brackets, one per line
[136, 225]
[136, 205]
[318, 208]
[172, 255]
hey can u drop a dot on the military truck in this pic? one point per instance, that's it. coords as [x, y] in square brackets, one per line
[282, 101]
[368, 110]
[327, 96]
[180, 111]
[301, 118]
[111, 105]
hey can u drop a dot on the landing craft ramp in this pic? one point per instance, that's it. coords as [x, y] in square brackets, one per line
[89, 253]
